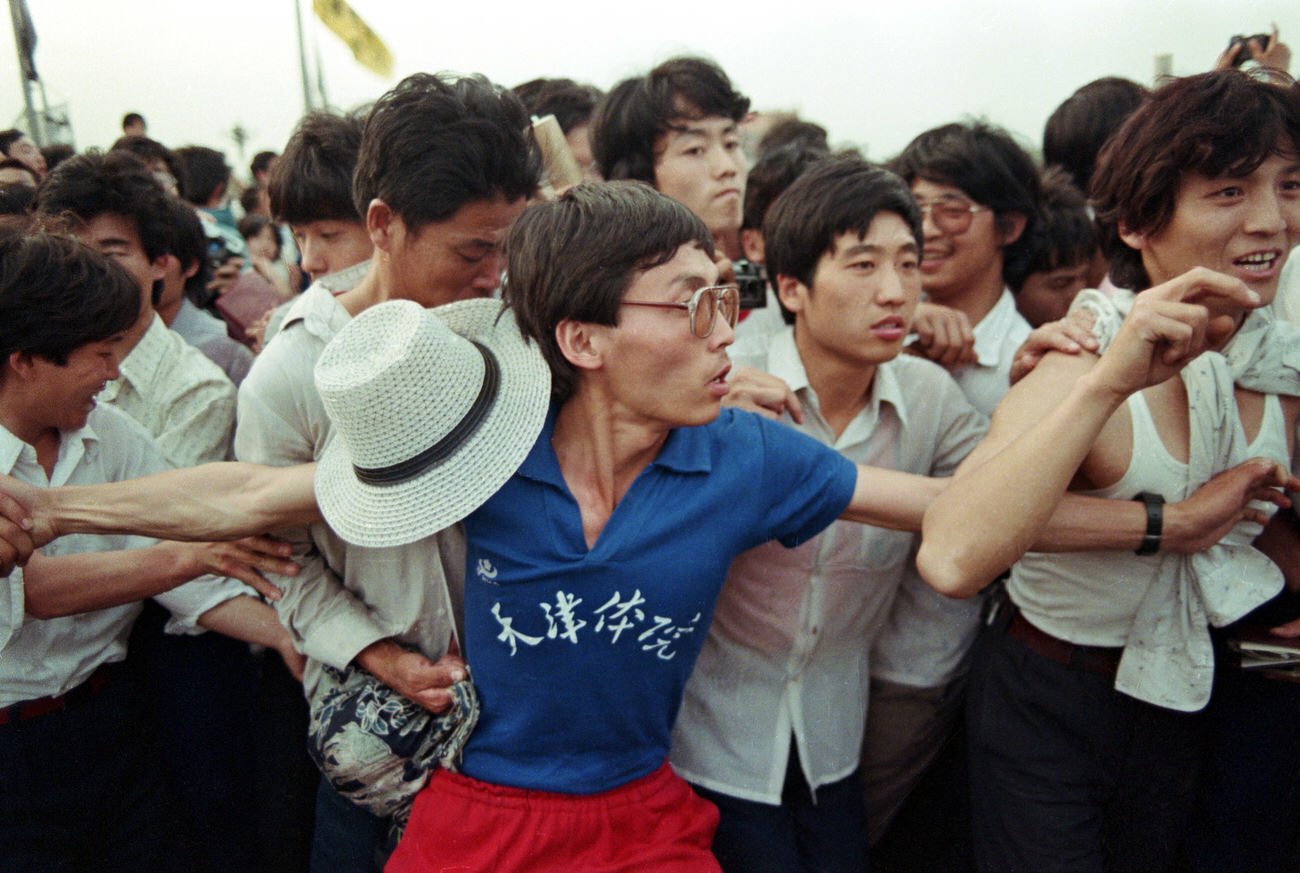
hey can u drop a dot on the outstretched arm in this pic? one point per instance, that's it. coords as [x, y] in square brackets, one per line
[1000, 502]
[221, 501]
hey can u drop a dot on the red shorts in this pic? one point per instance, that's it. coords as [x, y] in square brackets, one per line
[460, 825]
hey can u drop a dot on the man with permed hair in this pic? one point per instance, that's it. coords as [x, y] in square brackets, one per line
[1086, 694]
[443, 164]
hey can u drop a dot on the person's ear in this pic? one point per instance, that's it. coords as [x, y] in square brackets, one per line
[1010, 226]
[20, 364]
[382, 224]
[751, 243]
[582, 343]
[1132, 238]
[792, 293]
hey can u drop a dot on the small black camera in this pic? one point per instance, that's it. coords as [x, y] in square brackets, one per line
[1243, 54]
[752, 280]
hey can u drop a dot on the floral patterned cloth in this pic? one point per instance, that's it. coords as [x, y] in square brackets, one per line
[376, 747]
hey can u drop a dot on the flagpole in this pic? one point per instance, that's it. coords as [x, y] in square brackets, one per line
[24, 66]
[307, 100]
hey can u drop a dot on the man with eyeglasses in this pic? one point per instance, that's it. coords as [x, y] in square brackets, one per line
[978, 192]
[593, 572]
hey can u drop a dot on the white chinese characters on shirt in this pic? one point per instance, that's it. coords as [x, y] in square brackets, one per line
[609, 621]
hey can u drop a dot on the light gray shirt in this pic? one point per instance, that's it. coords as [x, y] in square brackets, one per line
[346, 597]
[787, 654]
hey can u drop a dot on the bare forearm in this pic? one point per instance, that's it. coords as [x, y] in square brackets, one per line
[72, 584]
[890, 499]
[992, 513]
[210, 502]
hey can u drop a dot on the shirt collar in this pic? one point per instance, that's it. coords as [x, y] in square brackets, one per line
[319, 310]
[687, 450]
[783, 361]
[142, 362]
[993, 328]
[72, 444]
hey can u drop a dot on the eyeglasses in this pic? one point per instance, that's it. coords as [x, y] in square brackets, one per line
[704, 307]
[951, 216]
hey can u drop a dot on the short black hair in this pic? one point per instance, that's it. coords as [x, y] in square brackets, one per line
[637, 112]
[986, 163]
[1063, 236]
[260, 162]
[8, 138]
[1077, 130]
[116, 182]
[251, 225]
[17, 198]
[56, 153]
[572, 103]
[772, 174]
[312, 181]
[837, 195]
[150, 150]
[206, 171]
[188, 243]
[575, 257]
[131, 118]
[57, 294]
[433, 144]
[794, 131]
[1219, 124]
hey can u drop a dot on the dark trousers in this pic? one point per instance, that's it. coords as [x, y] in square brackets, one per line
[1068, 774]
[81, 789]
[1249, 811]
[348, 838]
[201, 690]
[805, 834]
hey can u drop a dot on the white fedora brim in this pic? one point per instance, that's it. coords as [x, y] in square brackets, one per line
[395, 514]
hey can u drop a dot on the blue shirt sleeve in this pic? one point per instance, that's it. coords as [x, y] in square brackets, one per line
[805, 485]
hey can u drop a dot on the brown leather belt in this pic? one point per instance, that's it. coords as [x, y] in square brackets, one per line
[25, 709]
[1094, 659]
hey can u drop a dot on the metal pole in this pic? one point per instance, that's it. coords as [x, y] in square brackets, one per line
[307, 100]
[33, 127]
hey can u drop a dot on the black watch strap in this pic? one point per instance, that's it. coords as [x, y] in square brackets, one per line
[1155, 505]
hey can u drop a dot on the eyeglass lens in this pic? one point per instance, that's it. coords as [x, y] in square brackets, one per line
[951, 217]
[708, 302]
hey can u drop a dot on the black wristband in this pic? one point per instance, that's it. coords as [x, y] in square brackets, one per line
[1155, 505]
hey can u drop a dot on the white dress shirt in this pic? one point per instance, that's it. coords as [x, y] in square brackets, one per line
[787, 654]
[345, 597]
[40, 658]
[180, 397]
[997, 337]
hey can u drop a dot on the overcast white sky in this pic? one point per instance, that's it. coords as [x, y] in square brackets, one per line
[874, 73]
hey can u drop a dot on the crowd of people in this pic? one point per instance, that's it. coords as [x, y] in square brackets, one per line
[545, 479]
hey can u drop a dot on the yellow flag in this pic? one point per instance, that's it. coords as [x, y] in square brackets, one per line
[367, 47]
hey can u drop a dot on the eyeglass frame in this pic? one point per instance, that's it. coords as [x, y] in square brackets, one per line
[956, 208]
[690, 307]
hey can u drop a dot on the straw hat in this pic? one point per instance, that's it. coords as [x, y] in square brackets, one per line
[433, 410]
